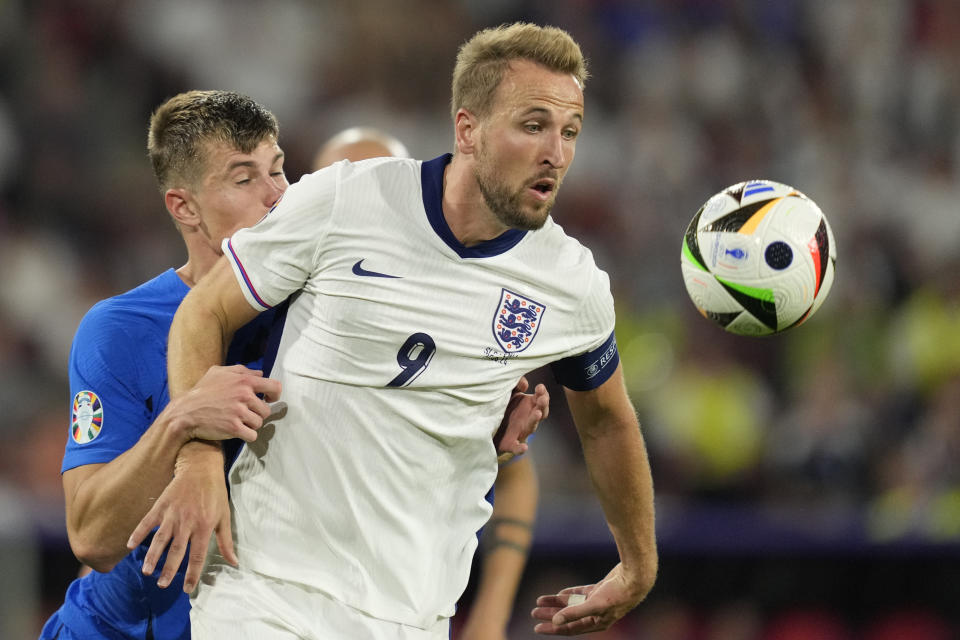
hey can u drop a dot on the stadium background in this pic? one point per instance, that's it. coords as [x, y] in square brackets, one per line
[807, 484]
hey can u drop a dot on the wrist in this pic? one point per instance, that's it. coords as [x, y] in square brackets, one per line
[199, 455]
[640, 576]
[176, 425]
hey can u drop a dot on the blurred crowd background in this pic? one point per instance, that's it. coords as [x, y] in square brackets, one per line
[807, 484]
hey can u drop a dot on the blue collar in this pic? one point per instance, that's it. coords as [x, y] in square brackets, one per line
[431, 180]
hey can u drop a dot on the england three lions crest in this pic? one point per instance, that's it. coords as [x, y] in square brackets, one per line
[516, 322]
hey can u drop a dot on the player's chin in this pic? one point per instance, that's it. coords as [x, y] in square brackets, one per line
[534, 217]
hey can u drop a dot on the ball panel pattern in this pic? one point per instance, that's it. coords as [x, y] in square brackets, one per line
[758, 258]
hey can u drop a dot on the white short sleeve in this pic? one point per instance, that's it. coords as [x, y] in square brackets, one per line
[274, 258]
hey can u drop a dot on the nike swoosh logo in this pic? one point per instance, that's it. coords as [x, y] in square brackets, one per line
[360, 271]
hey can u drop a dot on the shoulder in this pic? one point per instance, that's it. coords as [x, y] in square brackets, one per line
[369, 169]
[574, 280]
[374, 174]
[127, 320]
[378, 167]
[566, 255]
[345, 185]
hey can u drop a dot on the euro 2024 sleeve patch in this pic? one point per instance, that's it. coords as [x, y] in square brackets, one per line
[87, 418]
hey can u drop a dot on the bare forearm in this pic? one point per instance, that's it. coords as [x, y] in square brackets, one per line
[203, 327]
[197, 342]
[617, 459]
[107, 504]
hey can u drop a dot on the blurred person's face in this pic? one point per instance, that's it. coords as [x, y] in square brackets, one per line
[527, 143]
[237, 189]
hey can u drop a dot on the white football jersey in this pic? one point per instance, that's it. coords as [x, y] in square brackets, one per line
[397, 358]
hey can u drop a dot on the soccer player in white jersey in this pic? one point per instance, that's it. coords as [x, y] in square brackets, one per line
[507, 535]
[422, 290]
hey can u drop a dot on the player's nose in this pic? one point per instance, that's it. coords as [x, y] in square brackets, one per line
[554, 152]
[272, 193]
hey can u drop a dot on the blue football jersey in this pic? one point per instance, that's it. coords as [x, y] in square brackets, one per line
[118, 386]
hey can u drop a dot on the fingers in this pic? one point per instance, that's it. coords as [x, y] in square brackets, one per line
[563, 621]
[536, 417]
[237, 368]
[176, 539]
[194, 566]
[142, 530]
[191, 508]
[175, 553]
[225, 540]
[522, 385]
[260, 409]
[543, 400]
[246, 434]
[269, 387]
[574, 628]
[160, 539]
[184, 539]
[519, 448]
[243, 425]
[563, 599]
[568, 613]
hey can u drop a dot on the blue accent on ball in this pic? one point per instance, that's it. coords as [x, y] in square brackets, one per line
[778, 255]
[737, 254]
[756, 187]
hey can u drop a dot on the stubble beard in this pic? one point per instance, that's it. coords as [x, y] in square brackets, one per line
[506, 205]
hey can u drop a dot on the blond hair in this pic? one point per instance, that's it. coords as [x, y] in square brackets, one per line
[482, 61]
[181, 126]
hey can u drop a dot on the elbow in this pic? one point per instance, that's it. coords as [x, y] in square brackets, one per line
[94, 555]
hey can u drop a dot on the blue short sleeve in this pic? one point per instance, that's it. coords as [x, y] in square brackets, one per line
[111, 406]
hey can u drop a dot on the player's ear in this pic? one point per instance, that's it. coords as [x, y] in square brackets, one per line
[180, 204]
[466, 130]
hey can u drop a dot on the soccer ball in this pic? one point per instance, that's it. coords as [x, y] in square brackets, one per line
[758, 258]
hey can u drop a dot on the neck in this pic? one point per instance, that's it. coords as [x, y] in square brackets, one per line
[464, 208]
[200, 260]
[186, 274]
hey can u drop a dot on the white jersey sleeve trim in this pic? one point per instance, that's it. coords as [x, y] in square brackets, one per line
[249, 291]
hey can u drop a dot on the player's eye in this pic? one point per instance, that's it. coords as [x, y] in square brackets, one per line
[533, 127]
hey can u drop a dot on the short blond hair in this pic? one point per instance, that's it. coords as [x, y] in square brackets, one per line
[182, 126]
[483, 59]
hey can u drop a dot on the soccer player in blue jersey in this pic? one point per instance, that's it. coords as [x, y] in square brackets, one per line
[422, 291]
[507, 536]
[219, 168]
